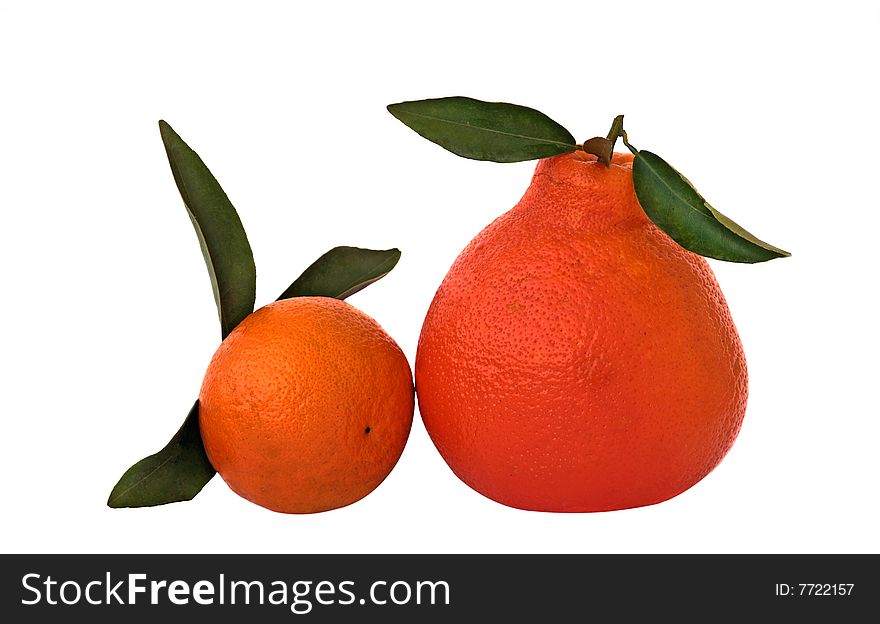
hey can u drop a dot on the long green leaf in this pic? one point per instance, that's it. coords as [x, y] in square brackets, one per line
[221, 235]
[675, 206]
[176, 473]
[342, 271]
[494, 131]
[180, 470]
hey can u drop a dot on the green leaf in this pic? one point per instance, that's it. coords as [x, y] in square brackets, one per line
[180, 470]
[221, 235]
[675, 206]
[493, 131]
[342, 271]
[176, 473]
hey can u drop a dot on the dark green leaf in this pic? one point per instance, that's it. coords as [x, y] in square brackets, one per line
[342, 271]
[493, 131]
[675, 206]
[221, 235]
[176, 473]
[180, 470]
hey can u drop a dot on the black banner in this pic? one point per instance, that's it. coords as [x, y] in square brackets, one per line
[436, 588]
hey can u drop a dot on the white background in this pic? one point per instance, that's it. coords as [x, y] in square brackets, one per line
[108, 320]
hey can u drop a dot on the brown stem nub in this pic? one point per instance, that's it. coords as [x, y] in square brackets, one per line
[603, 147]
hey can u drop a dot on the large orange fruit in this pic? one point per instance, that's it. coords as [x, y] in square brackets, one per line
[575, 358]
[306, 406]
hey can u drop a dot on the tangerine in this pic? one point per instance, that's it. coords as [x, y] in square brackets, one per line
[575, 358]
[306, 406]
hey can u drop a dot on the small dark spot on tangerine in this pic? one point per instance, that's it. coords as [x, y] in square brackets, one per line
[367, 430]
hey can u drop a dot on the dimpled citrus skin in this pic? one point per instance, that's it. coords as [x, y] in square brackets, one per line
[575, 358]
[306, 406]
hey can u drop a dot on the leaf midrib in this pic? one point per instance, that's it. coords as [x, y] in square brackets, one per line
[678, 196]
[360, 280]
[489, 130]
[171, 457]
